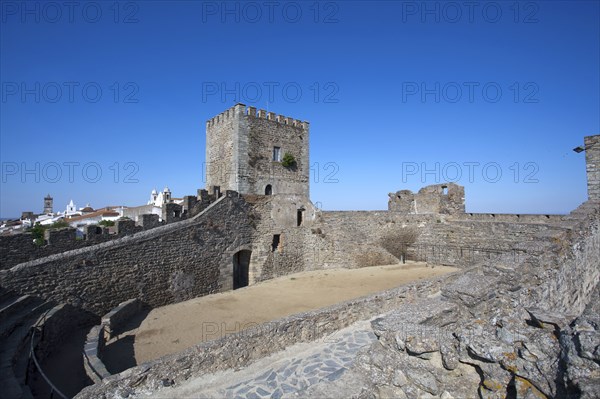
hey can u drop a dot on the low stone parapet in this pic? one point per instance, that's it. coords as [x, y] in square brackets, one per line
[242, 348]
[115, 320]
[111, 324]
[92, 362]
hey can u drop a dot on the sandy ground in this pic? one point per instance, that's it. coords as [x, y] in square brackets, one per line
[173, 328]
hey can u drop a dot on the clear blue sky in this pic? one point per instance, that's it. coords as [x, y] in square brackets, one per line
[390, 89]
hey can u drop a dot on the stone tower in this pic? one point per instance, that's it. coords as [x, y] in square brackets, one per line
[48, 204]
[245, 149]
[592, 162]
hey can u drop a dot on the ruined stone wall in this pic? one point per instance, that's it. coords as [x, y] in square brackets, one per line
[167, 264]
[592, 160]
[351, 239]
[497, 324]
[447, 198]
[513, 217]
[567, 268]
[56, 325]
[354, 238]
[149, 221]
[172, 213]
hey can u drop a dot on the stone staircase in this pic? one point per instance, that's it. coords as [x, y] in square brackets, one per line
[17, 316]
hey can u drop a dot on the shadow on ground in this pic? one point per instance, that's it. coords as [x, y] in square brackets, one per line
[119, 354]
[64, 367]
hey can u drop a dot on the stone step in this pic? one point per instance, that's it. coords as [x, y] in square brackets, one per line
[6, 296]
[12, 315]
[15, 306]
[14, 350]
[21, 358]
[8, 300]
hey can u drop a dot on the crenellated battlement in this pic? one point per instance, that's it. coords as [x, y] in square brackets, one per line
[253, 112]
[245, 147]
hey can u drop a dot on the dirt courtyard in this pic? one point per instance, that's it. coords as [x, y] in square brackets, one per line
[173, 328]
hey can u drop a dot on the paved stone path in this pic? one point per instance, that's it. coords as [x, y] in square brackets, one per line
[288, 373]
[292, 376]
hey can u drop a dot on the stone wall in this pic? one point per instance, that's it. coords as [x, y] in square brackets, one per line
[55, 325]
[194, 257]
[493, 325]
[164, 265]
[257, 167]
[447, 198]
[355, 238]
[54, 333]
[222, 134]
[172, 213]
[111, 325]
[592, 160]
[92, 354]
[350, 239]
[567, 268]
[20, 248]
[116, 320]
[497, 325]
[239, 152]
[278, 216]
[149, 221]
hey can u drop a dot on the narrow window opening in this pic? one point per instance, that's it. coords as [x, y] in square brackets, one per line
[241, 267]
[300, 217]
[269, 190]
[276, 242]
[444, 190]
[277, 154]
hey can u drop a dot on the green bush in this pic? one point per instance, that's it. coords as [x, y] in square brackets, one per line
[38, 233]
[288, 160]
[106, 223]
[38, 230]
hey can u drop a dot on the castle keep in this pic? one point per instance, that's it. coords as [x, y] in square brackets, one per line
[524, 280]
[245, 150]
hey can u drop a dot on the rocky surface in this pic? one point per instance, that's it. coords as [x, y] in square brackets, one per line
[580, 356]
[493, 332]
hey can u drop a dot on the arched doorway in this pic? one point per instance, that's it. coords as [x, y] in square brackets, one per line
[269, 190]
[241, 265]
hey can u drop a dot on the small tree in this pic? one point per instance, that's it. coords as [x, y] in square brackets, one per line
[37, 232]
[398, 241]
[288, 160]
